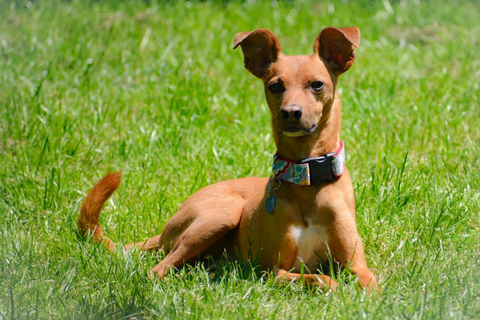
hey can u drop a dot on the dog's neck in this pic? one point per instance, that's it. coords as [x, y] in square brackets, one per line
[325, 140]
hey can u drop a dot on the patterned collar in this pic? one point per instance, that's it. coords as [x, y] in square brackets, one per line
[311, 171]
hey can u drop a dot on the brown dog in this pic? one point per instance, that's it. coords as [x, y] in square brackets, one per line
[287, 226]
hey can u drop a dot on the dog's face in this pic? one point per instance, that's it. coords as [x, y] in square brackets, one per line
[299, 89]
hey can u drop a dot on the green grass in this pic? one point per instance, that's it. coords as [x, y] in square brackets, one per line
[155, 89]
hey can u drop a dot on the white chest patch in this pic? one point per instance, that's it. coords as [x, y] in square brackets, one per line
[311, 245]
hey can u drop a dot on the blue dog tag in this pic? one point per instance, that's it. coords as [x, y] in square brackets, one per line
[270, 203]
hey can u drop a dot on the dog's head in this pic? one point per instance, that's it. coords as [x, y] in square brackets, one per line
[300, 90]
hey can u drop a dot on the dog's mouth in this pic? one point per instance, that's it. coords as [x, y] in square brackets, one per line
[299, 132]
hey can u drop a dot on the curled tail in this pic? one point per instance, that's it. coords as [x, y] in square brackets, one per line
[92, 206]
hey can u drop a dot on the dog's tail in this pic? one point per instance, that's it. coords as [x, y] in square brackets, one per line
[92, 206]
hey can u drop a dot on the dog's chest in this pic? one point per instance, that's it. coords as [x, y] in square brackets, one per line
[311, 244]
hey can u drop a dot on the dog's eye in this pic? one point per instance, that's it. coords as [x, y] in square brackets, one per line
[276, 88]
[317, 85]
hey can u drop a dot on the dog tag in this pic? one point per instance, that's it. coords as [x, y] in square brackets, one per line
[270, 203]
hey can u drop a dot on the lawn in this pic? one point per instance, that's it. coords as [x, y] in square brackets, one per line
[155, 89]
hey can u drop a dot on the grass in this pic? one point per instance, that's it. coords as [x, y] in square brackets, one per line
[154, 89]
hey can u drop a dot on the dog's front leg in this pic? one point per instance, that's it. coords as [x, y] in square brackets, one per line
[347, 248]
[312, 280]
[365, 276]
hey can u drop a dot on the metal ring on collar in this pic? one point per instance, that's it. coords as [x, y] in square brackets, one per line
[270, 184]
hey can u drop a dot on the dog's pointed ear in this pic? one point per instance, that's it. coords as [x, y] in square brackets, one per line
[337, 47]
[260, 49]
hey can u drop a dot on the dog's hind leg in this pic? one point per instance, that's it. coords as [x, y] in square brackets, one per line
[202, 221]
[198, 226]
[198, 231]
[199, 237]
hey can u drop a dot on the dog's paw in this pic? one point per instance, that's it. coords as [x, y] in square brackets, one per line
[156, 273]
[325, 283]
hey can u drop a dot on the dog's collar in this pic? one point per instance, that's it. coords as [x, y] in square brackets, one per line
[311, 171]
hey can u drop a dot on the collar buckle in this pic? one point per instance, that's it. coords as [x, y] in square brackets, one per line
[320, 169]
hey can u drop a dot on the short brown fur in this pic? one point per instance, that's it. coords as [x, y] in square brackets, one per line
[308, 222]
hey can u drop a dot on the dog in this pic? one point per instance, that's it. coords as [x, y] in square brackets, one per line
[304, 213]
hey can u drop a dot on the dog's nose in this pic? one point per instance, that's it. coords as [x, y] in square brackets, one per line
[291, 113]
